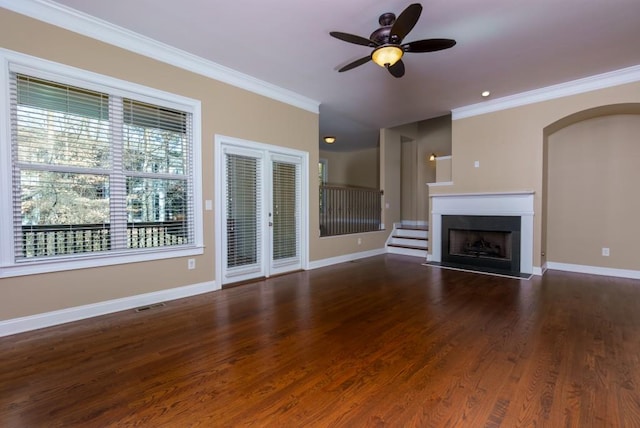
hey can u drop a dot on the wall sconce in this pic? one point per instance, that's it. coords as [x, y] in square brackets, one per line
[329, 139]
[432, 157]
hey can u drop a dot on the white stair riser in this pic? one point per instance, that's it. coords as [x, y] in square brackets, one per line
[411, 233]
[407, 252]
[410, 242]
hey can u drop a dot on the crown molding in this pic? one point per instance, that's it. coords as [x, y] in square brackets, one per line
[574, 87]
[86, 25]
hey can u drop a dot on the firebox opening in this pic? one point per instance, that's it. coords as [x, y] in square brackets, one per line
[479, 243]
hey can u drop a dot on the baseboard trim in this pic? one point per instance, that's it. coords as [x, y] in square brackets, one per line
[345, 258]
[539, 271]
[49, 319]
[594, 270]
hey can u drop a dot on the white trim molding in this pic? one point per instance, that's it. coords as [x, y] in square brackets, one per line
[87, 25]
[498, 204]
[440, 184]
[574, 87]
[49, 319]
[594, 270]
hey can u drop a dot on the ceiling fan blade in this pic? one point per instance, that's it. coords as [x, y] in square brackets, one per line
[428, 45]
[352, 38]
[397, 69]
[355, 63]
[405, 23]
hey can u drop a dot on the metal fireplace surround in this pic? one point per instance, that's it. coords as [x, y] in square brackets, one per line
[479, 226]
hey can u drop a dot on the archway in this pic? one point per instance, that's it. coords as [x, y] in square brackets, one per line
[590, 174]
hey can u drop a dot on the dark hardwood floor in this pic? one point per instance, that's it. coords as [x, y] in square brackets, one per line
[379, 342]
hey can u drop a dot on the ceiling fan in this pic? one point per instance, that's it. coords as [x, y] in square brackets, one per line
[387, 41]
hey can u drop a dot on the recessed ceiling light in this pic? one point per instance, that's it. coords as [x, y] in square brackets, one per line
[329, 139]
[485, 94]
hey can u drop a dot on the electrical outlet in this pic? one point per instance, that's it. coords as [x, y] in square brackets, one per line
[476, 164]
[191, 264]
[605, 251]
[359, 241]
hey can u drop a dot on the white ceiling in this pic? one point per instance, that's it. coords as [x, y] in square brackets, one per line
[505, 46]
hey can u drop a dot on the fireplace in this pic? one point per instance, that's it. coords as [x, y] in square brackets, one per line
[489, 243]
[510, 214]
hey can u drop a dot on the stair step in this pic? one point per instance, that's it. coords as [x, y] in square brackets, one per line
[411, 233]
[417, 238]
[419, 252]
[409, 242]
[409, 247]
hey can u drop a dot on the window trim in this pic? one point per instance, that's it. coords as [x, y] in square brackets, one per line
[26, 64]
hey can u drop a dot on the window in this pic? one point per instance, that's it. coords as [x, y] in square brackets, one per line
[322, 179]
[98, 171]
[322, 171]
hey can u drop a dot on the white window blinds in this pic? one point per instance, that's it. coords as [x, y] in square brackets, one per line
[244, 205]
[286, 197]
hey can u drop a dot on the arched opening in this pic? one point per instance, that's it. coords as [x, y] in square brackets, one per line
[591, 175]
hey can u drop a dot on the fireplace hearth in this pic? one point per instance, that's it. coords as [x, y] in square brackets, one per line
[489, 243]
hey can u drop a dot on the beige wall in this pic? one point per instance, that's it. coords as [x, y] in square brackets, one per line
[435, 137]
[443, 169]
[409, 166]
[593, 176]
[509, 146]
[390, 177]
[357, 168]
[226, 110]
[419, 141]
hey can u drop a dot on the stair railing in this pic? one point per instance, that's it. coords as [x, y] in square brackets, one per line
[345, 210]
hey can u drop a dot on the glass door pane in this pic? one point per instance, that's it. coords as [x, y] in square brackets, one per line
[285, 210]
[243, 194]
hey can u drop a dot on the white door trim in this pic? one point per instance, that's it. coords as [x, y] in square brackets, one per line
[221, 142]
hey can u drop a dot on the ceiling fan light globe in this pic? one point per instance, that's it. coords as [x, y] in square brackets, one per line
[387, 55]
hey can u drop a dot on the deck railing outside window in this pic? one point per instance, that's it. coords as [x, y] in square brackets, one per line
[345, 210]
[54, 240]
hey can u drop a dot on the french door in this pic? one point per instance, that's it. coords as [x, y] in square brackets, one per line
[261, 211]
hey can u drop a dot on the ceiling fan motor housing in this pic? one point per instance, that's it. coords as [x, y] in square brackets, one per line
[381, 35]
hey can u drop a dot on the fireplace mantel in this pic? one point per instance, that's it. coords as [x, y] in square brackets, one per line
[518, 203]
